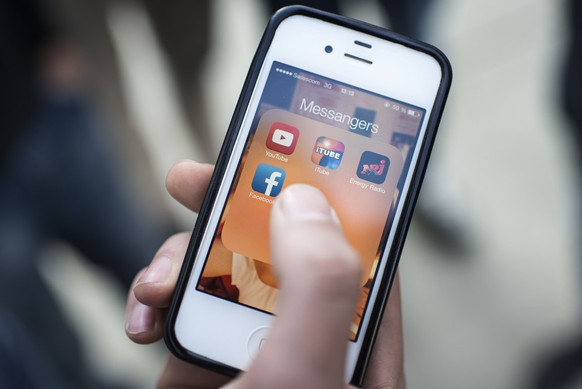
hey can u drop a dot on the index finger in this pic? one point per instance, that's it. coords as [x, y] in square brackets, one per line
[386, 367]
[187, 182]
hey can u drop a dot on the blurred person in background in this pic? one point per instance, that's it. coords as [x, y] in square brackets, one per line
[446, 223]
[60, 179]
[182, 30]
[561, 368]
[22, 365]
[406, 17]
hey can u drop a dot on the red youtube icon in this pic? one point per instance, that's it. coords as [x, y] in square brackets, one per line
[282, 138]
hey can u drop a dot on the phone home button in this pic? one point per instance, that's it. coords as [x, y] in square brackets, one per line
[257, 340]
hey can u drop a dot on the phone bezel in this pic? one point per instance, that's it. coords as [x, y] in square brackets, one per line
[229, 144]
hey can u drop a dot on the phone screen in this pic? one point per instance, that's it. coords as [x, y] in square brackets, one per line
[352, 144]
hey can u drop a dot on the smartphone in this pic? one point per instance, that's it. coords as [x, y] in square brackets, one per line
[347, 107]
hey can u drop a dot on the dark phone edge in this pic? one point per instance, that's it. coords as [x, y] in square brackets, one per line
[387, 278]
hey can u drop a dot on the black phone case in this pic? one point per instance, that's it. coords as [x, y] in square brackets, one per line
[395, 250]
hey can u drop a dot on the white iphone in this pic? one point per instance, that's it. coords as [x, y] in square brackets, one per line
[349, 108]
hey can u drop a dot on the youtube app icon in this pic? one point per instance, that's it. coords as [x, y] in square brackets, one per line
[282, 138]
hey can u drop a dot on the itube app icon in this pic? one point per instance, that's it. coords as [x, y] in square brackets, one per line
[327, 152]
[373, 167]
[282, 138]
[268, 180]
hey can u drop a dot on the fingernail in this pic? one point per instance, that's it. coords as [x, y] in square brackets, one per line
[157, 272]
[304, 201]
[141, 319]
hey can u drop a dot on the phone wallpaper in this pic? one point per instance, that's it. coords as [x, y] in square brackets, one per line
[355, 146]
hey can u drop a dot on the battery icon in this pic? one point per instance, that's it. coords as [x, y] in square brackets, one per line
[412, 112]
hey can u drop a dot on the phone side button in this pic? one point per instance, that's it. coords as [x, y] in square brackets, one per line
[257, 340]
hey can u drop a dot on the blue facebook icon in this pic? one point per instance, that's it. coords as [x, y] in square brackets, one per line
[268, 180]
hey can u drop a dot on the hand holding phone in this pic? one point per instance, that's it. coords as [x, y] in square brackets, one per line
[299, 353]
[336, 104]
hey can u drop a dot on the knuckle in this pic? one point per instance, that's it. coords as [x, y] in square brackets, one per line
[335, 265]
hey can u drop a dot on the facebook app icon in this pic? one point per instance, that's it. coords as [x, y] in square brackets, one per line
[268, 180]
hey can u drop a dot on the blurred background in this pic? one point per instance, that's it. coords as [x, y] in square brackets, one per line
[100, 98]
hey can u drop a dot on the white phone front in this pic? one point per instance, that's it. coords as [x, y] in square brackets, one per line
[348, 108]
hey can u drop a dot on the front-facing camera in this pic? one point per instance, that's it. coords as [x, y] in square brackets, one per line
[328, 49]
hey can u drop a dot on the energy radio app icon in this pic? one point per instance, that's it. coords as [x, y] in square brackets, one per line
[282, 138]
[268, 180]
[327, 152]
[373, 167]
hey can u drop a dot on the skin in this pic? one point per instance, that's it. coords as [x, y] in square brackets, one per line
[299, 353]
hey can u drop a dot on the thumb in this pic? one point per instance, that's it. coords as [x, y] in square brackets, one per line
[318, 273]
